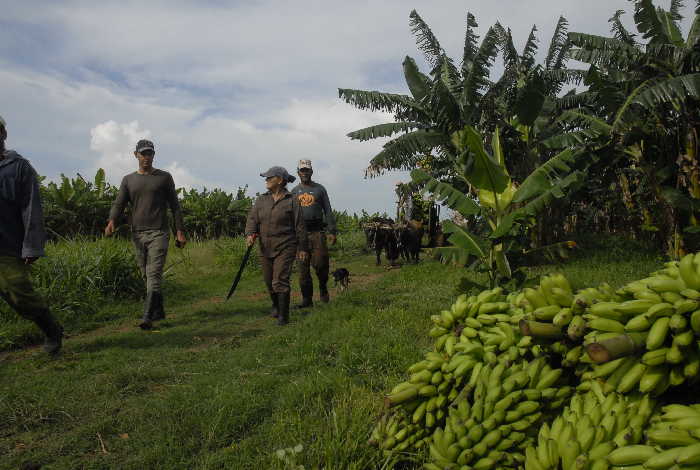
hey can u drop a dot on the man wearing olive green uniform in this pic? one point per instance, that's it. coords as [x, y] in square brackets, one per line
[318, 217]
[22, 240]
[277, 221]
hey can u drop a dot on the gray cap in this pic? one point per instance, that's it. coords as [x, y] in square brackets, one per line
[3, 123]
[279, 171]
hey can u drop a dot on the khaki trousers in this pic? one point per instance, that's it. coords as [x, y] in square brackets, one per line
[151, 251]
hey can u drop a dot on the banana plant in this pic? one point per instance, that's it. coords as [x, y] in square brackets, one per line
[499, 200]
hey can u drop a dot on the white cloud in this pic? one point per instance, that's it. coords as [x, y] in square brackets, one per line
[226, 89]
[115, 144]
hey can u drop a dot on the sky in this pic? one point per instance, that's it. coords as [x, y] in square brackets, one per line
[227, 89]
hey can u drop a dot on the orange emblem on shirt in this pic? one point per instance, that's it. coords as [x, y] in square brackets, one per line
[306, 199]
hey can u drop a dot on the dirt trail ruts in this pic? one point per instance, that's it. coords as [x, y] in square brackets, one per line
[127, 325]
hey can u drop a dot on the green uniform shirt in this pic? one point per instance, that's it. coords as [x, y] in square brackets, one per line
[279, 224]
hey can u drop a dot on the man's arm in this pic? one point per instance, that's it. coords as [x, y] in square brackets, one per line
[330, 219]
[252, 224]
[120, 202]
[32, 214]
[174, 204]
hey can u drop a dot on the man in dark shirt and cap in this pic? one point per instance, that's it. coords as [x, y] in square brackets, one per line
[150, 191]
[318, 217]
[22, 240]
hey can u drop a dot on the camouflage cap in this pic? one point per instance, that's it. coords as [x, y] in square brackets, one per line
[304, 164]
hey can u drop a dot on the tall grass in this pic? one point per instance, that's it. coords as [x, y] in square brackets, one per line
[75, 278]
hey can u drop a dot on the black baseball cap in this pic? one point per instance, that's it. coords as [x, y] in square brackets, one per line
[144, 144]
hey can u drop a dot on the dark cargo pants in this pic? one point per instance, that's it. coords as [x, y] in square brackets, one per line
[151, 252]
[278, 270]
[17, 290]
[318, 258]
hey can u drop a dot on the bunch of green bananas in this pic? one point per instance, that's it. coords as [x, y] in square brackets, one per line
[592, 426]
[492, 422]
[673, 441]
[651, 339]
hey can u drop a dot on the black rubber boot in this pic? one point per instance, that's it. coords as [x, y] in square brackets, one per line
[323, 289]
[283, 317]
[307, 295]
[274, 311]
[148, 312]
[53, 331]
[158, 309]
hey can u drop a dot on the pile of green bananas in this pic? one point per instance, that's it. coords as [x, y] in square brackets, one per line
[477, 341]
[592, 426]
[493, 421]
[673, 441]
[497, 390]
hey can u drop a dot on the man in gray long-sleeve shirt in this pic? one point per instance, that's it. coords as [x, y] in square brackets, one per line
[318, 217]
[150, 192]
[22, 239]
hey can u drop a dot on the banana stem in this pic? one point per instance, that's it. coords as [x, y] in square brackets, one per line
[540, 330]
[611, 349]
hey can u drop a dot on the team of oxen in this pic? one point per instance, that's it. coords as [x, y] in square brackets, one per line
[396, 240]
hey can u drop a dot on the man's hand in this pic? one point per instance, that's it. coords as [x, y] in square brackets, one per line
[250, 239]
[109, 229]
[30, 260]
[180, 240]
[302, 255]
[332, 238]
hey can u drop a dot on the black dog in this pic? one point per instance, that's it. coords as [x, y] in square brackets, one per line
[341, 277]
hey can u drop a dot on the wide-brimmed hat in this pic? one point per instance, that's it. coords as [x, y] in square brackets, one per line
[279, 171]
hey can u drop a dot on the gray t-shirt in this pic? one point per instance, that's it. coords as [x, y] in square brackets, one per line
[149, 195]
[315, 205]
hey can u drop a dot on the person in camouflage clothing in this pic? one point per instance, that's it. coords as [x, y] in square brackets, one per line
[319, 220]
[22, 240]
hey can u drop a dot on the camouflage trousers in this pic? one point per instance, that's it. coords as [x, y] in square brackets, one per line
[17, 290]
[151, 251]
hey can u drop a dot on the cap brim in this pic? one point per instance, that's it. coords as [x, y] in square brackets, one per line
[145, 148]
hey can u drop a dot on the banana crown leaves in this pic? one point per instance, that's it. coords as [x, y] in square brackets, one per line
[488, 198]
[481, 170]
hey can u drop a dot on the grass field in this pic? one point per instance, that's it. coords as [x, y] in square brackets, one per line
[219, 385]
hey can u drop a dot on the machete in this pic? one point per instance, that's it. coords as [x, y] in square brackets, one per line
[240, 271]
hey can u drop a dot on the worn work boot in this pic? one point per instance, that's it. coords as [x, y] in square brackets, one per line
[148, 312]
[158, 309]
[53, 331]
[307, 294]
[325, 298]
[274, 311]
[283, 317]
